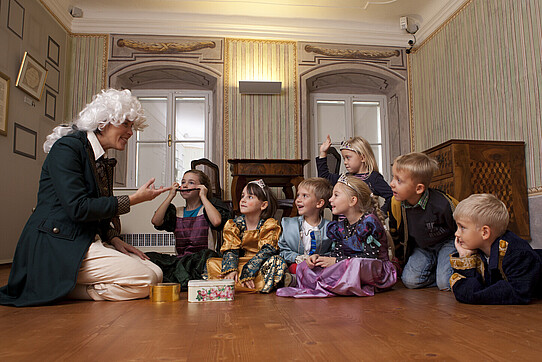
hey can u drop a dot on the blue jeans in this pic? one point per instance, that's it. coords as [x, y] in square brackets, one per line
[429, 267]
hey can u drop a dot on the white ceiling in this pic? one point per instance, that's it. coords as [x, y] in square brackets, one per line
[373, 22]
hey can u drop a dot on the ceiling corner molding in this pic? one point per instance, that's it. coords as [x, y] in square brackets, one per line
[442, 18]
[186, 27]
[57, 11]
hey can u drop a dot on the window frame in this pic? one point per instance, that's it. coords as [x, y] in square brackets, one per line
[349, 99]
[170, 95]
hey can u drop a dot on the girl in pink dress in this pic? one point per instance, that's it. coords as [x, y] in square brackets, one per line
[359, 263]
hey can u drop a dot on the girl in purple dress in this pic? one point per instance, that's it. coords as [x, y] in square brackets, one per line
[359, 263]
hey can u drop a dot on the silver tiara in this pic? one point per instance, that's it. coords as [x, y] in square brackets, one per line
[345, 145]
[259, 183]
[344, 180]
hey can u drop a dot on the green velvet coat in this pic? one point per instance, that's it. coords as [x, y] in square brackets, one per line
[69, 213]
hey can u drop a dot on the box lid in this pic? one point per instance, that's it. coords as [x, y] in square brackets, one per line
[210, 283]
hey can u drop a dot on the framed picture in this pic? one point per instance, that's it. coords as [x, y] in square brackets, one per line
[53, 77]
[31, 78]
[4, 103]
[16, 18]
[53, 51]
[50, 105]
[24, 141]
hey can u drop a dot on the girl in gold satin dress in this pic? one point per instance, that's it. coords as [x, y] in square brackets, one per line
[250, 247]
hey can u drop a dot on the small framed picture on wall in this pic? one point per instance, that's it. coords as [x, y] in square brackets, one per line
[31, 78]
[50, 105]
[53, 51]
[4, 103]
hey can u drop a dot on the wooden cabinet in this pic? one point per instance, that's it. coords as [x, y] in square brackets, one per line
[472, 167]
[275, 173]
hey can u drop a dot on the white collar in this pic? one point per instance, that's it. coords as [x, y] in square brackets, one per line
[95, 144]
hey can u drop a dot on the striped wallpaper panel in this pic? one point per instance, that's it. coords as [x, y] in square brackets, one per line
[480, 77]
[260, 126]
[87, 70]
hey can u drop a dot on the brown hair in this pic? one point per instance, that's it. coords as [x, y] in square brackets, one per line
[264, 194]
[420, 167]
[320, 186]
[484, 209]
[203, 179]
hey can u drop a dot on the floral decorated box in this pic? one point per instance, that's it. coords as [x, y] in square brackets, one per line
[219, 290]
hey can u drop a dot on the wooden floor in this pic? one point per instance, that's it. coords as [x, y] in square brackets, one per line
[398, 325]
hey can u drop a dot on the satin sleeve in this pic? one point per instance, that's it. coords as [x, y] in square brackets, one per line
[269, 233]
[232, 241]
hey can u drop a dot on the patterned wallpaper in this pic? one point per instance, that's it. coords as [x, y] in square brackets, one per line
[260, 126]
[86, 71]
[480, 77]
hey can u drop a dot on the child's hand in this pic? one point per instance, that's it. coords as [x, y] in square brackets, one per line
[311, 260]
[248, 284]
[325, 147]
[232, 275]
[202, 191]
[174, 188]
[463, 252]
[325, 261]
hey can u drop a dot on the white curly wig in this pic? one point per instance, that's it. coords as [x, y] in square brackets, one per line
[109, 106]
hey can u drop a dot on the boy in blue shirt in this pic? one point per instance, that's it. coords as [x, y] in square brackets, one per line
[492, 265]
[306, 234]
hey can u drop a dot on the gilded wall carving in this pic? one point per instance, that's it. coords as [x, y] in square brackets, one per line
[165, 47]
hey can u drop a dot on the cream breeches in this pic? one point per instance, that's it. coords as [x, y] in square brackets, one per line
[108, 274]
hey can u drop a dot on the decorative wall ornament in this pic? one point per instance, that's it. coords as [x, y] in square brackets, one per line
[168, 47]
[352, 53]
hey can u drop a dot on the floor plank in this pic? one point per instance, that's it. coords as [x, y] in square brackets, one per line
[401, 324]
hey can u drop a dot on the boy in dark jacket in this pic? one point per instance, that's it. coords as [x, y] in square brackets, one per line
[492, 265]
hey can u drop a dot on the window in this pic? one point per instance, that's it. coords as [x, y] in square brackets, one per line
[177, 132]
[345, 116]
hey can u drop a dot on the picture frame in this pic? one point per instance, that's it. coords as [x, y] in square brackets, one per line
[25, 141]
[53, 51]
[50, 105]
[16, 18]
[53, 77]
[32, 76]
[4, 103]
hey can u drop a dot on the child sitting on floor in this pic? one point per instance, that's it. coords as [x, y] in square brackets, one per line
[305, 235]
[492, 265]
[421, 222]
[359, 161]
[249, 252]
[193, 227]
[359, 263]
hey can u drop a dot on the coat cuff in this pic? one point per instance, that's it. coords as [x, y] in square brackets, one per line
[464, 263]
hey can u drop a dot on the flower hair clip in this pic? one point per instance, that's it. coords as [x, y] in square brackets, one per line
[259, 183]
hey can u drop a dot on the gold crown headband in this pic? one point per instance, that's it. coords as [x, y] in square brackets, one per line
[259, 183]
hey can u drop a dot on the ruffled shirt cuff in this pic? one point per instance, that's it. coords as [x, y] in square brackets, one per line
[123, 204]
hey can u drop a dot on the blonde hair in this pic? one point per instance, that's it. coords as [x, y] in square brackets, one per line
[420, 166]
[484, 209]
[363, 148]
[367, 202]
[320, 186]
